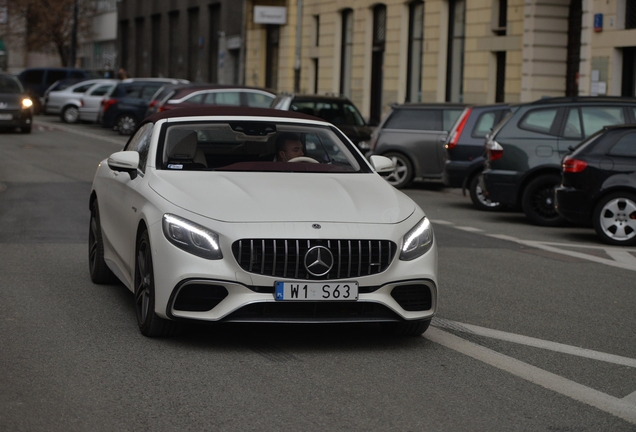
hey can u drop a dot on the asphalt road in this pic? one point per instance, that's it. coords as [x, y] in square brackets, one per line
[535, 330]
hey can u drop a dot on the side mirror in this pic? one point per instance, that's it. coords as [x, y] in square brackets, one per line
[382, 164]
[124, 161]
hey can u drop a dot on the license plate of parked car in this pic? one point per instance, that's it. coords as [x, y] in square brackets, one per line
[6, 117]
[316, 291]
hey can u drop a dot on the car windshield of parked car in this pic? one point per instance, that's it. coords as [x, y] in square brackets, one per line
[336, 112]
[10, 85]
[255, 146]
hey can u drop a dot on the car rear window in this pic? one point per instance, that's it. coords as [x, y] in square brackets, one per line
[625, 146]
[415, 119]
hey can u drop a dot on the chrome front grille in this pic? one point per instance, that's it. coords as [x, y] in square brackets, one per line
[285, 258]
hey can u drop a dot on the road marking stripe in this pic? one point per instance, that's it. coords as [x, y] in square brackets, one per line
[469, 229]
[82, 133]
[622, 256]
[631, 398]
[441, 222]
[534, 342]
[540, 245]
[604, 402]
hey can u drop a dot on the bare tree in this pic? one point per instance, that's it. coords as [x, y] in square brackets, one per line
[47, 24]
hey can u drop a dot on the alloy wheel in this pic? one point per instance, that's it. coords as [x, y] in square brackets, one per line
[618, 219]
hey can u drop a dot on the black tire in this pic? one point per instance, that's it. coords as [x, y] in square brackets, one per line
[402, 176]
[70, 114]
[25, 129]
[100, 273]
[126, 124]
[615, 219]
[407, 328]
[538, 201]
[480, 201]
[150, 324]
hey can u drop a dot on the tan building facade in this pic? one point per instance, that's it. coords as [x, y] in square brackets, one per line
[472, 51]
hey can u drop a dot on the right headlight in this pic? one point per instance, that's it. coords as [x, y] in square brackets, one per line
[191, 237]
[417, 241]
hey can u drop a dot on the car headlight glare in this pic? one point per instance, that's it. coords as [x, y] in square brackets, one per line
[417, 241]
[191, 237]
[27, 103]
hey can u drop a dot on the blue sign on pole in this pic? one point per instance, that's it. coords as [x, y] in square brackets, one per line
[598, 22]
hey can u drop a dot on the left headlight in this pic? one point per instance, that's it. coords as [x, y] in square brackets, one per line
[191, 237]
[417, 241]
[27, 103]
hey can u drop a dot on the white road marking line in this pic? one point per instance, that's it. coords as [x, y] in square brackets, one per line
[469, 229]
[622, 256]
[441, 222]
[546, 247]
[590, 246]
[86, 134]
[537, 343]
[604, 402]
[631, 398]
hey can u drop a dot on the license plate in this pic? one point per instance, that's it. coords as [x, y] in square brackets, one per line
[6, 117]
[316, 291]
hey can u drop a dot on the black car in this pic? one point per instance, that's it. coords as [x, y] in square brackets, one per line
[465, 151]
[413, 135]
[524, 152]
[127, 105]
[16, 108]
[336, 109]
[598, 185]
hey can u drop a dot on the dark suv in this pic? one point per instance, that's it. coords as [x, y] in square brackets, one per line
[524, 152]
[465, 151]
[336, 109]
[413, 136]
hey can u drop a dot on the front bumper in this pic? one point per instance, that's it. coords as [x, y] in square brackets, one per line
[189, 287]
[574, 205]
[15, 118]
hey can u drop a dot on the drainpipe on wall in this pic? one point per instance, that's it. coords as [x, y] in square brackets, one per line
[298, 40]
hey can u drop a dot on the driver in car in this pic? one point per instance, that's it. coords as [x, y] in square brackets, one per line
[288, 146]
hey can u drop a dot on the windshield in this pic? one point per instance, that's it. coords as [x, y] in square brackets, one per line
[9, 84]
[336, 112]
[256, 146]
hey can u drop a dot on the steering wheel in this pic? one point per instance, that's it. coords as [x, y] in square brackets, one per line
[303, 159]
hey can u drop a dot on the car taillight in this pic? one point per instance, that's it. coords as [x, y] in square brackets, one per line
[573, 165]
[494, 150]
[152, 104]
[108, 103]
[456, 134]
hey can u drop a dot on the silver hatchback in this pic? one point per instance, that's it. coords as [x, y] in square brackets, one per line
[413, 136]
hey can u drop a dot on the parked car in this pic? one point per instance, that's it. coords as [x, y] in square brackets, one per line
[163, 92]
[464, 151]
[598, 185]
[524, 153]
[197, 250]
[413, 136]
[66, 102]
[16, 108]
[336, 109]
[193, 95]
[91, 100]
[125, 106]
[37, 80]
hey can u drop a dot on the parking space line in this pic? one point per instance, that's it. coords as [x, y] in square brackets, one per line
[622, 256]
[469, 229]
[534, 342]
[441, 222]
[587, 395]
[631, 398]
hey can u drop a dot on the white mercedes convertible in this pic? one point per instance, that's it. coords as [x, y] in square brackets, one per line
[254, 215]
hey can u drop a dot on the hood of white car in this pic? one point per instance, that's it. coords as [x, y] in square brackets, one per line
[284, 197]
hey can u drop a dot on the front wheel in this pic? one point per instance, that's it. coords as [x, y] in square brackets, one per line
[615, 219]
[403, 172]
[538, 201]
[477, 196]
[126, 124]
[100, 273]
[150, 324]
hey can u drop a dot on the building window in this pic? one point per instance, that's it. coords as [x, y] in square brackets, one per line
[346, 52]
[500, 83]
[315, 61]
[630, 14]
[416, 40]
[575, 20]
[316, 30]
[173, 47]
[377, 62]
[629, 68]
[500, 19]
[271, 63]
[455, 64]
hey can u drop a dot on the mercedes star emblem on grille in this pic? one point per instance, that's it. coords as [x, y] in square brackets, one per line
[318, 261]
